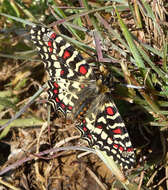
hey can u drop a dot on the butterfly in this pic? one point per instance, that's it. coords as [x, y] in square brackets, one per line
[76, 89]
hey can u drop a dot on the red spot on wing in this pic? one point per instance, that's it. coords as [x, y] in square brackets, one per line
[63, 106]
[99, 126]
[57, 100]
[49, 43]
[117, 131]
[84, 121]
[130, 149]
[121, 148]
[85, 129]
[56, 85]
[50, 49]
[109, 111]
[115, 145]
[62, 72]
[70, 107]
[90, 136]
[83, 70]
[53, 35]
[82, 85]
[66, 54]
[55, 91]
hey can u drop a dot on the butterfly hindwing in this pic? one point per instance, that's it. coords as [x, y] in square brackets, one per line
[104, 129]
[62, 94]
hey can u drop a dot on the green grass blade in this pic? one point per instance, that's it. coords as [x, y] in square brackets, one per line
[138, 60]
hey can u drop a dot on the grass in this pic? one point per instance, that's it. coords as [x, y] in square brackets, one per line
[134, 43]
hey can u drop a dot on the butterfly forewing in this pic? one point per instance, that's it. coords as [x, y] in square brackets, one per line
[65, 66]
[59, 57]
